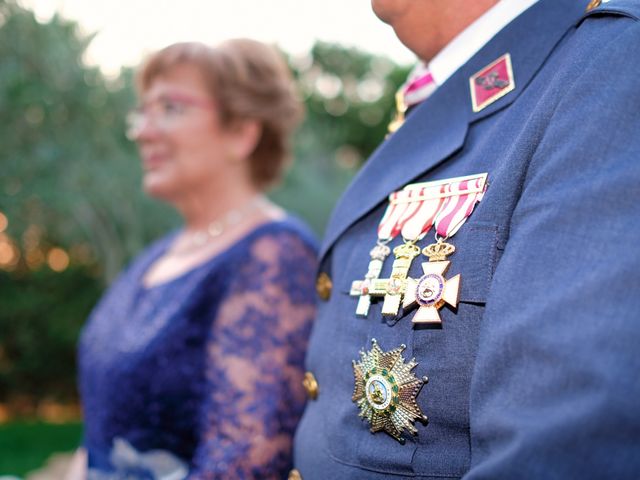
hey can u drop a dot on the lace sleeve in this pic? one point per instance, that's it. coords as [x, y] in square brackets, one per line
[255, 358]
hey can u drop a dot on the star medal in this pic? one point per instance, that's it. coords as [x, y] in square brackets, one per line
[432, 290]
[386, 390]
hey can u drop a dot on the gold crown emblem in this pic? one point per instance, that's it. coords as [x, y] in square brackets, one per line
[406, 250]
[438, 251]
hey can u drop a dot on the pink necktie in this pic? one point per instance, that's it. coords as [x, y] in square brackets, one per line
[418, 87]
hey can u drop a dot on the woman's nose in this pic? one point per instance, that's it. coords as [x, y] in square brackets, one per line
[142, 127]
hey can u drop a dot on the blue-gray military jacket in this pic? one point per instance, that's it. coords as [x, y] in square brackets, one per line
[536, 373]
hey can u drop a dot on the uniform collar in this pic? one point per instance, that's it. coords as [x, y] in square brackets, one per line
[437, 127]
[474, 37]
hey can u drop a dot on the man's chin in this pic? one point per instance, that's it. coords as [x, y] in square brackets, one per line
[383, 9]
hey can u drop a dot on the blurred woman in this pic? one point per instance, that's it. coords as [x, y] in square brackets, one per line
[192, 363]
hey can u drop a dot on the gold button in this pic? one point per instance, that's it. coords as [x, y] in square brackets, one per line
[324, 286]
[593, 4]
[294, 475]
[310, 385]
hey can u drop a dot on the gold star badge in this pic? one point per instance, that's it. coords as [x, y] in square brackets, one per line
[431, 292]
[386, 391]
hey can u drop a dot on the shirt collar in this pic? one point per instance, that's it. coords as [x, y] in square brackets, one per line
[474, 37]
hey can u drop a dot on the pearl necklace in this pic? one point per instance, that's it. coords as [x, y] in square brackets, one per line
[219, 226]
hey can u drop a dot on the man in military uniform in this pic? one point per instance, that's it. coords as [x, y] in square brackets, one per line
[532, 353]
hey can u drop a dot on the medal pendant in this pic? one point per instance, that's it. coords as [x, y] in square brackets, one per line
[362, 288]
[395, 286]
[432, 291]
[386, 391]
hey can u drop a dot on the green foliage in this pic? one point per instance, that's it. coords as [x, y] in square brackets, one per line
[70, 178]
[67, 165]
[349, 97]
[41, 315]
[24, 446]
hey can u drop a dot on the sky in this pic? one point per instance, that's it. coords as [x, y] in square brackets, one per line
[127, 30]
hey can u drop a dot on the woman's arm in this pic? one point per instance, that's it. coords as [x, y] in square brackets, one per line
[255, 363]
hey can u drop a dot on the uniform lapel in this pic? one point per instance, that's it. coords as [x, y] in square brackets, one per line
[435, 124]
[437, 128]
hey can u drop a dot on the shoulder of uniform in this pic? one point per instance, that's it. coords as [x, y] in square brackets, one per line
[626, 8]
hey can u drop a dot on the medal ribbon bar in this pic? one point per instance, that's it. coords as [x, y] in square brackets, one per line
[388, 229]
[432, 291]
[411, 215]
[458, 205]
[448, 181]
[414, 222]
[426, 203]
[412, 212]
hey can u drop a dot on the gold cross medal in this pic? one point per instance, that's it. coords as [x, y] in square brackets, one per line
[362, 288]
[393, 288]
[389, 228]
[386, 391]
[432, 290]
[410, 213]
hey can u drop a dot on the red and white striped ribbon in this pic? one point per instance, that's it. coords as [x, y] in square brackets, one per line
[459, 202]
[388, 228]
[408, 212]
[445, 203]
[426, 210]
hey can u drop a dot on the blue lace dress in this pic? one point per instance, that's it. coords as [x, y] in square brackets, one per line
[201, 377]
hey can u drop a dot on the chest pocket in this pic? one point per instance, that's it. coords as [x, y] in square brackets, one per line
[445, 353]
[478, 248]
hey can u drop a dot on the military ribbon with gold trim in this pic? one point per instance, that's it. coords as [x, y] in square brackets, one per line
[388, 229]
[411, 213]
[431, 291]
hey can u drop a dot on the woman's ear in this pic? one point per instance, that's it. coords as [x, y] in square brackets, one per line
[246, 135]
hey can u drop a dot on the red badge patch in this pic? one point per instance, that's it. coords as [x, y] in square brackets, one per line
[491, 83]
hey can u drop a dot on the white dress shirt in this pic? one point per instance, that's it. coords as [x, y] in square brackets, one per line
[474, 37]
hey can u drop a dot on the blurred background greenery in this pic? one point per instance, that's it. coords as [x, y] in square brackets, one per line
[72, 212]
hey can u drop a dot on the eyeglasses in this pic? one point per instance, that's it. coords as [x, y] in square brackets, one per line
[165, 112]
